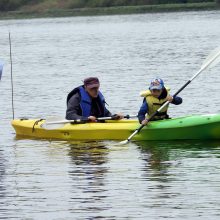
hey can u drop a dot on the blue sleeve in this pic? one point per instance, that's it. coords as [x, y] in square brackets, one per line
[107, 113]
[177, 100]
[143, 111]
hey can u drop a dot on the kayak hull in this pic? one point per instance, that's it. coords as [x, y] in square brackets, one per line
[201, 127]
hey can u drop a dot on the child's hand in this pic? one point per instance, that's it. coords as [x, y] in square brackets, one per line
[169, 98]
[144, 122]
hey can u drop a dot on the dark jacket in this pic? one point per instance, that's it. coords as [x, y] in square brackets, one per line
[80, 105]
[144, 108]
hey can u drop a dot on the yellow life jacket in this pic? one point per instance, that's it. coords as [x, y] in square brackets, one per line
[154, 104]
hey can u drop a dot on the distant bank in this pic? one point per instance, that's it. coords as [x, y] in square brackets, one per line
[117, 10]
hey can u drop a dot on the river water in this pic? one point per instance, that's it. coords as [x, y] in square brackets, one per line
[98, 180]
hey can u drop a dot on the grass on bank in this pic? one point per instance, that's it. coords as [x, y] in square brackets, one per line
[110, 10]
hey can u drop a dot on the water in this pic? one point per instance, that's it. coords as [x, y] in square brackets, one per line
[97, 180]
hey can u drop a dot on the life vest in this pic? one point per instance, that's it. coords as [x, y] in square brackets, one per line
[86, 101]
[154, 104]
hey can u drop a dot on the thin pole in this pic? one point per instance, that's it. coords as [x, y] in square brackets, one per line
[12, 86]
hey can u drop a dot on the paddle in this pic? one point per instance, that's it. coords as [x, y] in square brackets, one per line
[212, 59]
[57, 122]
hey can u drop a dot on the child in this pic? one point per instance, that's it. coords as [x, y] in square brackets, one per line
[155, 97]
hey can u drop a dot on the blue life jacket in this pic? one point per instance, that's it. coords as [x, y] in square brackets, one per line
[86, 101]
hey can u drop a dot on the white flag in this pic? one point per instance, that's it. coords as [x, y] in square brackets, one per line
[1, 69]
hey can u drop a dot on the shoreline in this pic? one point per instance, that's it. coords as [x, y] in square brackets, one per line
[120, 10]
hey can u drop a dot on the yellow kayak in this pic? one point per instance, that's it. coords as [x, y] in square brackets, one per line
[202, 127]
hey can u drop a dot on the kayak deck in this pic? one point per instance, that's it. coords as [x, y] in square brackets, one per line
[201, 127]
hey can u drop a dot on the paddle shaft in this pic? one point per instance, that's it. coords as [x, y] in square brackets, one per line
[181, 89]
[84, 121]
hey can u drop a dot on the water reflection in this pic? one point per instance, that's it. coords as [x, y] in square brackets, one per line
[88, 153]
[88, 172]
[177, 170]
[161, 156]
[185, 146]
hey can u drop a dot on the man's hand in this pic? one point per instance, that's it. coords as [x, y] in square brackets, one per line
[92, 118]
[117, 116]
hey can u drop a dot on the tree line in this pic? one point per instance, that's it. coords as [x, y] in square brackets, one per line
[11, 5]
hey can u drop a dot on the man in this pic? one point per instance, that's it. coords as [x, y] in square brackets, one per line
[86, 102]
[155, 97]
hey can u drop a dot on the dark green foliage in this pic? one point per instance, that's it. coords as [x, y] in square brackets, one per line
[11, 5]
[110, 3]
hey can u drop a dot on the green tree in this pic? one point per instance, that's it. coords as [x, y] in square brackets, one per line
[11, 5]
